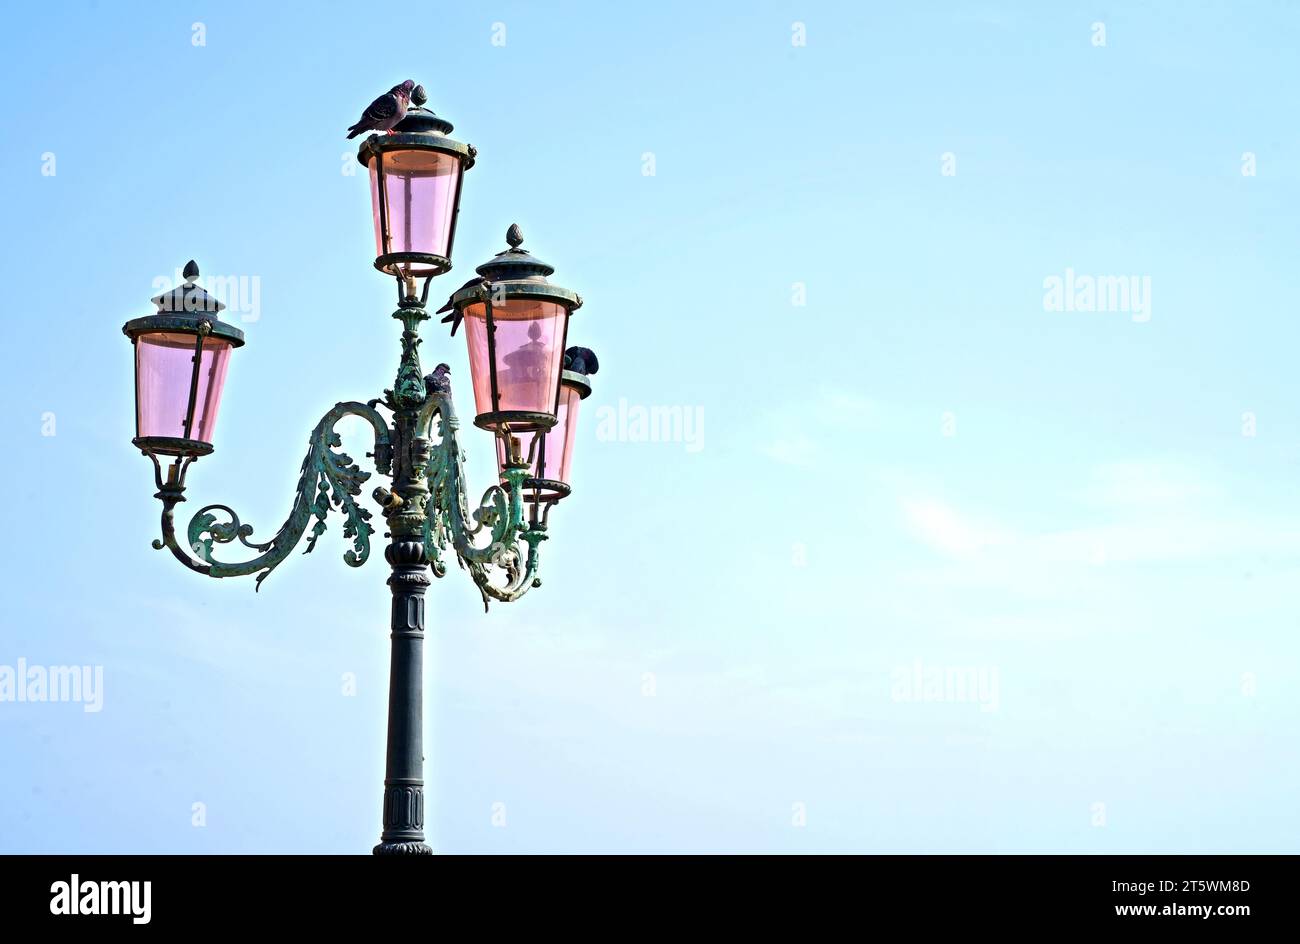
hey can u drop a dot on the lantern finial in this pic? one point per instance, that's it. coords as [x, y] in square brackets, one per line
[419, 96]
[514, 236]
[189, 297]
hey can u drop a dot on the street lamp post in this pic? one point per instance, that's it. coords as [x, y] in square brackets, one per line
[526, 387]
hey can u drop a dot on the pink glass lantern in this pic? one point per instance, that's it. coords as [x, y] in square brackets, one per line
[526, 350]
[181, 356]
[515, 324]
[415, 180]
[164, 376]
[550, 453]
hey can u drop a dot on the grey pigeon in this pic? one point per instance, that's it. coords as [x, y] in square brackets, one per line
[455, 317]
[439, 381]
[385, 111]
[581, 360]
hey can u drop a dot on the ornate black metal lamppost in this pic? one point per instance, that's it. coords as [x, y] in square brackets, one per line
[526, 387]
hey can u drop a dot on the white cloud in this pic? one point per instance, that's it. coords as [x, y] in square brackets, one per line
[944, 529]
[1148, 483]
[1150, 511]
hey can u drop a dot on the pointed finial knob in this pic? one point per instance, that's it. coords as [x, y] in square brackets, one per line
[514, 236]
[191, 272]
[419, 96]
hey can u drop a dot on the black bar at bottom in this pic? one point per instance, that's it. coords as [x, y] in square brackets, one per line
[1228, 895]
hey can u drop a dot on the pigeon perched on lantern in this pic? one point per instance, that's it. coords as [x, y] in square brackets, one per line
[455, 317]
[581, 360]
[386, 110]
[416, 172]
[550, 454]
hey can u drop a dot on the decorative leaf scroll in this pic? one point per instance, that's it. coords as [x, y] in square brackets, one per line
[328, 480]
[487, 540]
[499, 515]
[409, 390]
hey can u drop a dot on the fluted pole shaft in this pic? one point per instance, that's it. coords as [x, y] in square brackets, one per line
[404, 771]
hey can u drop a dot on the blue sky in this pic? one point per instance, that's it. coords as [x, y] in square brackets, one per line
[908, 467]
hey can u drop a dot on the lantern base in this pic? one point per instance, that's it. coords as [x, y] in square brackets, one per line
[419, 265]
[171, 446]
[184, 322]
[519, 421]
[545, 490]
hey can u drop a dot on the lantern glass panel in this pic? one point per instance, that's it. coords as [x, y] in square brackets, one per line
[164, 367]
[420, 188]
[529, 350]
[555, 453]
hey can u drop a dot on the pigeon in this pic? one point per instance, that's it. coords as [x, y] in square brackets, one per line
[581, 360]
[439, 381]
[455, 317]
[385, 111]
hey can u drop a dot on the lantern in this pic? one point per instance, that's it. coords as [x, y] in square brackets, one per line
[415, 179]
[515, 325]
[181, 355]
[551, 452]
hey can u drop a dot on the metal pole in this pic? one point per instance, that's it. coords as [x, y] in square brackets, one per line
[405, 510]
[404, 773]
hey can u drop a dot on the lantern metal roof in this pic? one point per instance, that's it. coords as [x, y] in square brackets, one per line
[185, 310]
[519, 274]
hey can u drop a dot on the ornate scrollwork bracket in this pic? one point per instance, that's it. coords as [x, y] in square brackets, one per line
[329, 479]
[427, 504]
[487, 537]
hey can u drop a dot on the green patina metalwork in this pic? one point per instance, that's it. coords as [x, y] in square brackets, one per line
[499, 516]
[329, 479]
[408, 391]
[428, 501]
